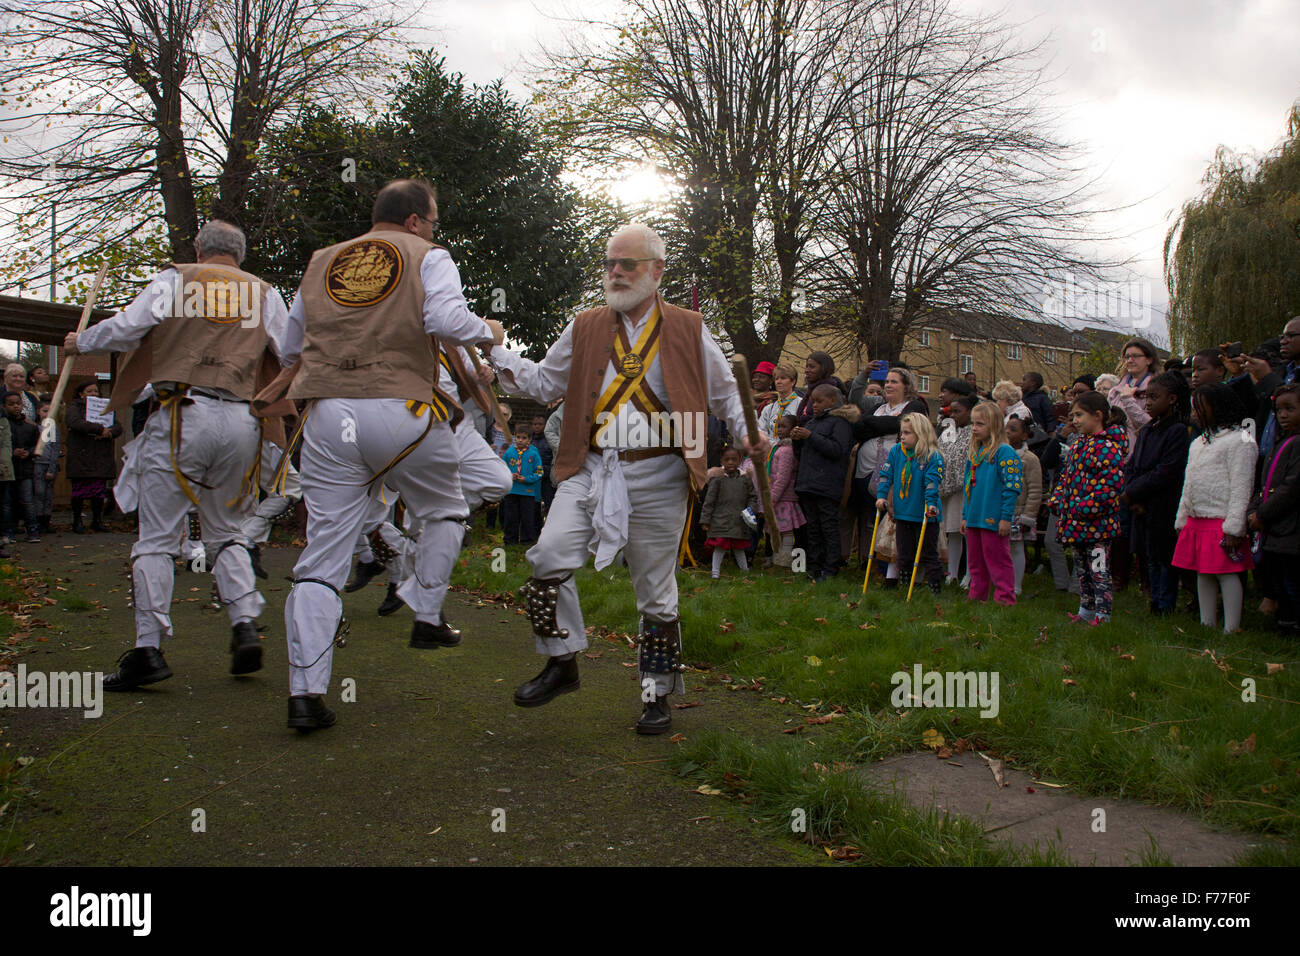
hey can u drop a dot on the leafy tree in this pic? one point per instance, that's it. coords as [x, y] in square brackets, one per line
[1232, 259]
[517, 231]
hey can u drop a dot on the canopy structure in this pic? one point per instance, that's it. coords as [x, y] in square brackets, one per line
[46, 323]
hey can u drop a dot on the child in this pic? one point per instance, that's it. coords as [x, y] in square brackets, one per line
[18, 501]
[781, 473]
[1211, 518]
[1153, 479]
[825, 439]
[1275, 512]
[954, 446]
[1086, 500]
[519, 507]
[727, 496]
[992, 488]
[908, 485]
[47, 467]
[1025, 522]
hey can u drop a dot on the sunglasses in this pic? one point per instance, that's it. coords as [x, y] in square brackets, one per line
[627, 265]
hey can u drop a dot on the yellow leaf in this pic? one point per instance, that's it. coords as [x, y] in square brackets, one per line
[813, 660]
[708, 791]
[932, 739]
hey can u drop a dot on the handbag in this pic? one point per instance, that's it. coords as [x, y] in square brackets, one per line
[886, 547]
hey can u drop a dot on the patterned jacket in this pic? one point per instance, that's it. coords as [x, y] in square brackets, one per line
[1086, 496]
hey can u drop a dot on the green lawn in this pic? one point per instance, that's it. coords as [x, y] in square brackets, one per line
[1145, 708]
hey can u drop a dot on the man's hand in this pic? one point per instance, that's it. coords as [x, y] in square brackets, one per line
[1234, 364]
[485, 374]
[70, 343]
[498, 331]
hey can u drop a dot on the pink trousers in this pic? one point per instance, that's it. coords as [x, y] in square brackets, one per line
[988, 557]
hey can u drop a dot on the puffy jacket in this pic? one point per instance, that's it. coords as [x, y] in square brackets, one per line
[824, 454]
[1086, 496]
[1220, 479]
[1278, 503]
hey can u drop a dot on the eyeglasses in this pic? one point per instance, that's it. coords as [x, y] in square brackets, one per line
[627, 265]
[433, 223]
[1134, 355]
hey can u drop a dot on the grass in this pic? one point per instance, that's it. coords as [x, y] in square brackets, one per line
[1145, 708]
[13, 602]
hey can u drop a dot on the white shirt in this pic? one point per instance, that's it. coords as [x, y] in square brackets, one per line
[446, 313]
[547, 380]
[127, 329]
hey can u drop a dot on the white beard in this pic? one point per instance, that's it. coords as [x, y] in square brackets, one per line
[620, 300]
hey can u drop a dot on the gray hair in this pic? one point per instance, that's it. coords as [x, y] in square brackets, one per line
[218, 238]
[650, 241]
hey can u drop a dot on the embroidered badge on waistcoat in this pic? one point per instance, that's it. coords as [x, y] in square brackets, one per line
[363, 273]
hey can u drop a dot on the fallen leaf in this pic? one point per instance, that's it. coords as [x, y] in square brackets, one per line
[797, 728]
[676, 738]
[1272, 668]
[1067, 682]
[995, 766]
[1030, 790]
[687, 703]
[845, 854]
[726, 627]
[932, 739]
[813, 660]
[943, 753]
[708, 791]
[865, 627]
[821, 620]
[822, 720]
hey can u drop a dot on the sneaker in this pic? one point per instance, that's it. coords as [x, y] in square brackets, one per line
[1099, 620]
[33, 537]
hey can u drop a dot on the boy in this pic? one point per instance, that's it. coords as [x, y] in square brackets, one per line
[45, 470]
[519, 506]
[824, 440]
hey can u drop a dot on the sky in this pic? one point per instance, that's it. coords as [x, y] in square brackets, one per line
[1148, 88]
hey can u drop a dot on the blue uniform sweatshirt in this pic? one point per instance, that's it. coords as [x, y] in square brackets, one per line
[992, 493]
[530, 469]
[922, 489]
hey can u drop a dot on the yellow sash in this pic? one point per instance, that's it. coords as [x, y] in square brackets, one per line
[629, 385]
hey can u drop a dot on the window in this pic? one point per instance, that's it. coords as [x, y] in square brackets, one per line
[925, 338]
[967, 364]
[925, 385]
[1050, 357]
[1015, 352]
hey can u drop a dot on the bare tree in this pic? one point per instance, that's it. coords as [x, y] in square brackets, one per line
[950, 190]
[153, 111]
[734, 99]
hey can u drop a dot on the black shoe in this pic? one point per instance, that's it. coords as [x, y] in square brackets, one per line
[137, 667]
[365, 571]
[309, 713]
[255, 556]
[558, 677]
[425, 635]
[33, 537]
[98, 526]
[656, 718]
[78, 527]
[245, 648]
[392, 602]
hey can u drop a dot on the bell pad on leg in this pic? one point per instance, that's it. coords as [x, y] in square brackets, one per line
[660, 647]
[541, 596]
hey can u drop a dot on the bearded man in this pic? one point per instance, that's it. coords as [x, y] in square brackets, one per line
[639, 378]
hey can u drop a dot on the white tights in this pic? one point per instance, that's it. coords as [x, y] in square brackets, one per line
[741, 561]
[1208, 593]
[955, 544]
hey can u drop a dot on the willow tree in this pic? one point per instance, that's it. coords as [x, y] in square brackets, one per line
[1232, 258]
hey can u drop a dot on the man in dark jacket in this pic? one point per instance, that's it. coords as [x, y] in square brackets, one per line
[1037, 400]
[18, 500]
[823, 444]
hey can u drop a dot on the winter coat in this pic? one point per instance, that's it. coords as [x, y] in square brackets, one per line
[1039, 404]
[805, 411]
[89, 456]
[1153, 479]
[1132, 405]
[782, 470]
[1220, 480]
[992, 489]
[23, 434]
[911, 497]
[1030, 501]
[1086, 496]
[726, 497]
[824, 454]
[1278, 504]
[877, 433]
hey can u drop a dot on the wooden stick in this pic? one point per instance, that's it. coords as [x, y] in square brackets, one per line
[500, 416]
[740, 368]
[871, 554]
[47, 426]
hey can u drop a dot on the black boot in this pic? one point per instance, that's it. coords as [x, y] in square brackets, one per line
[308, 713]
[77, 526]
[427, 636]
[138, 667]
[245, 648]
[97, 514]
[558, 677]
[656, 717]
[392, 602]
[255, 556]
[365, 571]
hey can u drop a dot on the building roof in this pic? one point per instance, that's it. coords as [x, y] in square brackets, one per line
[36, 320]
[987, 326]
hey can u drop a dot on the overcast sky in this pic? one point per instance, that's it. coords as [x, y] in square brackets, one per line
[1149, 87]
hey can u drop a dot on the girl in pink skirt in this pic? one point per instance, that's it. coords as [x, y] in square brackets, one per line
[781, 474]
[1212, 511]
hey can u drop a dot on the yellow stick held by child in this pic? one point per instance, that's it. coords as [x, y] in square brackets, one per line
[925, 517]
[871, 556]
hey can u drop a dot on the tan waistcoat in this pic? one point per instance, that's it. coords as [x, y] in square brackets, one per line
[681, 359]
[364, 332]
[213, 335]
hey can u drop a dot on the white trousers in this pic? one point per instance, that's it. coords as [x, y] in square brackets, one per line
[219, 441]
[657, 489]
[257, 526]
[345, 442]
